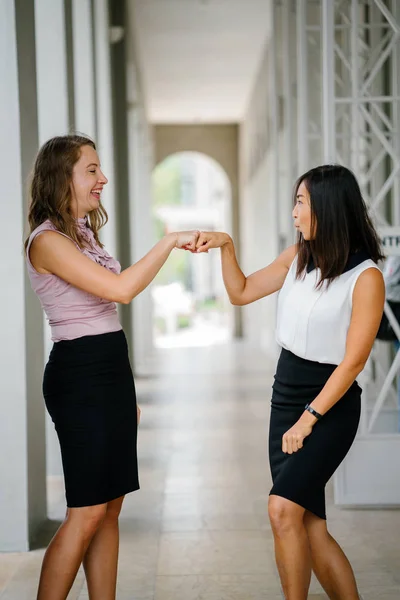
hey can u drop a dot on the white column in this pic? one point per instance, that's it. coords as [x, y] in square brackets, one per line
[84, 75]
[288, 119]
[105, 139]
[302, 88]
[51, 69]
[22, 431]
[328, 81]
[52, 91]
[141, 238]
[274, 112]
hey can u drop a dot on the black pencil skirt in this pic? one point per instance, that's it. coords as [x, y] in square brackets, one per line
[89, 392]
[301, 477]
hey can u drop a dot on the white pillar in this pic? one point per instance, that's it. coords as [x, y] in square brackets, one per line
[105, 138]
[83, 66]
[51, 69]
[141, 237]
[52, 91]
[288, 119]
[22, 431]
[140, 165]
[328, 81]
[302, 88]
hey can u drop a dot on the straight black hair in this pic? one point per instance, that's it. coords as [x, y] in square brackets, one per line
[340, 223]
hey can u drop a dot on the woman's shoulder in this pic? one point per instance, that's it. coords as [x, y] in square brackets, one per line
[367, 276]
[369, 268]
[46, 226]
[288, 256]
[43, 237]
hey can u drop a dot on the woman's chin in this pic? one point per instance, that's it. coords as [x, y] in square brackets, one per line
[94, 205]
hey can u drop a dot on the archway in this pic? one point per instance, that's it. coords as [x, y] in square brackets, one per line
[190, 305]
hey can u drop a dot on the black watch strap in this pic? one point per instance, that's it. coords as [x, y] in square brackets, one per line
[313, 412]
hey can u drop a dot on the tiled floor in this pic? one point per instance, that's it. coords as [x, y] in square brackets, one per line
[198, 529]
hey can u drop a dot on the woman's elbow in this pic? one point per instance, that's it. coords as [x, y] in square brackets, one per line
[126, 296]
[355, 366]
[122, 296]
[238, 301]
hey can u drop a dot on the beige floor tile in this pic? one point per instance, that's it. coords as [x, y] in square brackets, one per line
[217, 587]
[220, 522]
[198, 529]
[23, 585]
[382, 594]
[213, 552]
[208, 502]
[9, 565]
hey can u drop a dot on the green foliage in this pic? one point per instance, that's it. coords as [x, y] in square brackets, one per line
[166, 183]
[183, 321]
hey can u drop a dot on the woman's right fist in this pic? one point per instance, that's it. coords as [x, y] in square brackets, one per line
[187, 239]
[211, 239]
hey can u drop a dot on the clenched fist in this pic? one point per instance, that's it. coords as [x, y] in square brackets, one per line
[294, 438]
[187, 239]
[211, 239]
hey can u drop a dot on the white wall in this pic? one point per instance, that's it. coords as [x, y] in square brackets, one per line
[259, 243]
[259, 202]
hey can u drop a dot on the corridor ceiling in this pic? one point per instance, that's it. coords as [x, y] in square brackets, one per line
[199, 58]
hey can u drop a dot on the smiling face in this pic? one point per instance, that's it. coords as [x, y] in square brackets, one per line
[302, 212]
[87, 183]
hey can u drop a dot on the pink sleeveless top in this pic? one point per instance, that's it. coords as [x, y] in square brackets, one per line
[71, 312]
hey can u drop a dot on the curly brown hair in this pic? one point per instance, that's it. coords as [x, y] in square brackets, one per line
[50, 188]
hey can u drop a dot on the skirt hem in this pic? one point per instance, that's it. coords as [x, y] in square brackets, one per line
[295, 501]
[114, 496]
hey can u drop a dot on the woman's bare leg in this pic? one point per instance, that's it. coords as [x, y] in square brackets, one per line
[101, 559]
[292, 552]
[329, 562]
[66, 551]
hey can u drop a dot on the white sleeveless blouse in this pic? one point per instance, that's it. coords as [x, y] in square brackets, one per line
[313, 323]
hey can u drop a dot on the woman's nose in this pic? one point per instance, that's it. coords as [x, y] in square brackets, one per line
[103, 179]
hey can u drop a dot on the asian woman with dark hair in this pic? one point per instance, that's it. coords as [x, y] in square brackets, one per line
[329, 309]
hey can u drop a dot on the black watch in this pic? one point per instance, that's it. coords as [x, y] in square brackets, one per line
[313, 412]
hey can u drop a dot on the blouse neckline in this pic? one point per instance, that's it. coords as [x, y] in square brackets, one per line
[355, 259]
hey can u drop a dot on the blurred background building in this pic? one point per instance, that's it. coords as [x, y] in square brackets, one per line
[204, 113]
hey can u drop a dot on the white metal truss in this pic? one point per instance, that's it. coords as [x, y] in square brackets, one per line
[310, 135]
[346, 109]
[296, 55]
[361, 128]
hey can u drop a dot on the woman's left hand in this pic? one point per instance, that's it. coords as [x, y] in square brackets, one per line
[293, 439]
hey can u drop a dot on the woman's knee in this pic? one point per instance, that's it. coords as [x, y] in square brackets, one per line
[89, 518]
[284, 514]
[114, 509]
[316, 528]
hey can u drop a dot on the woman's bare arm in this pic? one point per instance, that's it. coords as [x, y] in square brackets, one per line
[368, 303]
[241, 289]
[51, 252]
